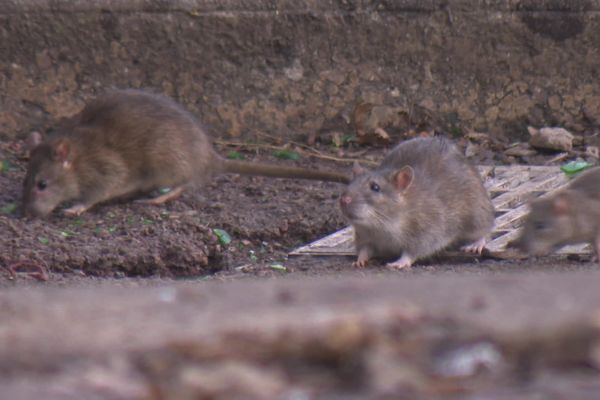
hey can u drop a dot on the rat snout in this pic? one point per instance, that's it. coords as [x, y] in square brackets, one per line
[34, 205]
[35, 210]
[345, 200]
[348, 206]
[534, 246]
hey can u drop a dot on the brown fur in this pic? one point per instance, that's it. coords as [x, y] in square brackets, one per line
[429, 197]
[128, 142]
[570, 216]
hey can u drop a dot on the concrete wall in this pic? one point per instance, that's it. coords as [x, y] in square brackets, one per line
[296, 66]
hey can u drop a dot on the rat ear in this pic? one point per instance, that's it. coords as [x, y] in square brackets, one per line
[403, 178]
[33, 140]
[357, 170]
[561, 204]
[61, 150]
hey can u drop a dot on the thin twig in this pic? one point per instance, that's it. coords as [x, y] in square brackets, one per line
[557, 158]
[311, 152]
[41, 275]
[301, 145]
[315, 152]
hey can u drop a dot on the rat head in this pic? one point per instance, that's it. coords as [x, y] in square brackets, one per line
[376, 197]
[50, 179]
[548, 226]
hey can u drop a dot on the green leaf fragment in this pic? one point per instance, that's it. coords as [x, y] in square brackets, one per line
[455, 131]
[287, 155]
[278, 267]
[574, 167]
[5, 165]
[252, 255]
[9, 208]
[67, 234]
[77, 222]
[164, 190]
[223, 236]
[235, 155]
[348, 138]
[43, 240]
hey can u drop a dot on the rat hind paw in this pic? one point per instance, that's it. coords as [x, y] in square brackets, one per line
[403, 262]
[170, 195]
[475, 247]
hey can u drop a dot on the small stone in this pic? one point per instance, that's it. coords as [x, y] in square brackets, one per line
[551, 138]
[477, 137]
[592, 151]
[471, 150]
[295, 72]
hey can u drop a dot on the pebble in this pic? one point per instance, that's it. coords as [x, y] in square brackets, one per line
[551, 138]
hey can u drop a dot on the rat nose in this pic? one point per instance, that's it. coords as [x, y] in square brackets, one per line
[345, 200]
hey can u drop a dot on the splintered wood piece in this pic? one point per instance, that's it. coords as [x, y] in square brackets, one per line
[338, 243]
[510, 187]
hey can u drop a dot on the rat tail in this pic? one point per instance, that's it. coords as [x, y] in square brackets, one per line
[277, 171]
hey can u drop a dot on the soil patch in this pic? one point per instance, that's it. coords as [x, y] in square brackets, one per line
[264, 217]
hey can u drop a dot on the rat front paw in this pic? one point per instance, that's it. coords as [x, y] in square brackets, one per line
[360, 263]
[76, 210]
[475, 247]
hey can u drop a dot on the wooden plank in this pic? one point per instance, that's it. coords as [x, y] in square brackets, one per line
[338, 243]
[498, 244]
[523, 192]
[511, 217]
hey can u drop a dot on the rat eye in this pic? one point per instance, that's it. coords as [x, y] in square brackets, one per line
[375, 187]
[41, 184]
[539, 225]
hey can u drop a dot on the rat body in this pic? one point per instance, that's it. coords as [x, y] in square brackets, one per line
[423, 197]
[569, 216]
[130, 142]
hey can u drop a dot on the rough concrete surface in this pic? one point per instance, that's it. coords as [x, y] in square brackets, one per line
[514, 336]
[300, 67]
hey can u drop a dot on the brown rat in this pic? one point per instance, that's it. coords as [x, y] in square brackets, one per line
[569, 216]
[128, 142]
[424, 197]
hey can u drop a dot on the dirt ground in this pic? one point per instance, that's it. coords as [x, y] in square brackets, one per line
[145, 302]
[265, 218]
